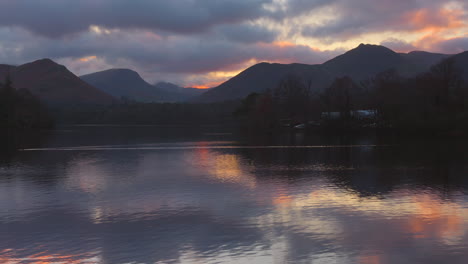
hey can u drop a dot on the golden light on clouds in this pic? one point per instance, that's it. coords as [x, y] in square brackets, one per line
[98, 30]
[214, 78]
[87, 59]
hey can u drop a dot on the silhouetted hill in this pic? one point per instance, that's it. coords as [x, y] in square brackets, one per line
[363, 62]
[183, 93]
[263, 76]
[54, 83]
[129, 84]
[360, 63]
[366, 61]
[124, 83]
[417, 62]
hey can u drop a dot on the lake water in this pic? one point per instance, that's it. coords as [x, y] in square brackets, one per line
[168, 195]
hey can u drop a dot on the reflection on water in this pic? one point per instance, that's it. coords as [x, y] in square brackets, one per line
[124, 197]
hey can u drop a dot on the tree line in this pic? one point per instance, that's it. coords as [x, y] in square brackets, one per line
[21, 109]
[138, 113]
[433, 102]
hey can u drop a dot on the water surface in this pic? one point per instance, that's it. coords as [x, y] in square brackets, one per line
[159, 195]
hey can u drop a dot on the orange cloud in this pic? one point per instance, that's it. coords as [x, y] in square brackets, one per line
[88, 58]
[435, 26]
[427, 21]
[283, 44]
[431, 42]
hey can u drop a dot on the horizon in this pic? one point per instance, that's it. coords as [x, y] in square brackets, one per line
[228, 78]
[204, 43]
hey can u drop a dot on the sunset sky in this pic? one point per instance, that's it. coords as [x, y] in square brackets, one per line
[204, 42]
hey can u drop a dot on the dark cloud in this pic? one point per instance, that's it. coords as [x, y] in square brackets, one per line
[153, 55]
[245, 33]
[55, 18]
[295, 8]
[398, 45]
[455, 45]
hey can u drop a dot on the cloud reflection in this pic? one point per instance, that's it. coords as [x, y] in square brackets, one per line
[230, 205]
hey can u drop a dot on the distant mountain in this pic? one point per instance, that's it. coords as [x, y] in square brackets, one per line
[263, 76]
[129, 84]
[124, 83]
[419, 61]
[360, 63]
[183, 93]
[54, 83]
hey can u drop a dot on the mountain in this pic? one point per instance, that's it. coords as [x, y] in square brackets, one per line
[53, 83]
[363, 62]
[417, 62]
[263, 76]
[183, 93]
[124, 83]
[129, 84]
[366, 61]
[360, 63]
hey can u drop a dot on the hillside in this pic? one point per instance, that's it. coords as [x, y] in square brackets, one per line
[54, 83]
[263, 76]
[125, 83]
[360, 63]
[182, 93]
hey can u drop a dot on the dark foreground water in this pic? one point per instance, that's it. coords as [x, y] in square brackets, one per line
[158, 195]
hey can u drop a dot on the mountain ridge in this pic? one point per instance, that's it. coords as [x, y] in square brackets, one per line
[360, 63]
[54, 83]
[127, 83]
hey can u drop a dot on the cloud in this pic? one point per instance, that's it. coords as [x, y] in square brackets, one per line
[246, 33]
[55, 18]
[208, 41]
[398, 45]
[366, 16]
[150, 54]
[454, 45]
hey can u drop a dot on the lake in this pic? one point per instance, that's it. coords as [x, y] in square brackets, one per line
[95, 194]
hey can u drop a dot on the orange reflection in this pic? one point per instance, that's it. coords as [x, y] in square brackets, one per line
[282, 198]
[223, 167]
[421, 215]
[227, 169]
[433, 218]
